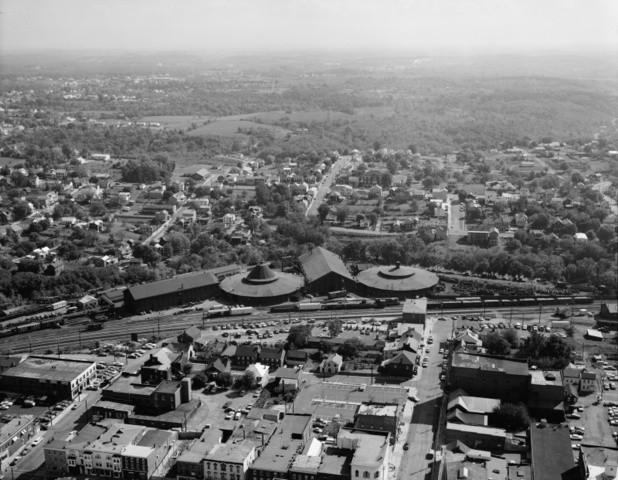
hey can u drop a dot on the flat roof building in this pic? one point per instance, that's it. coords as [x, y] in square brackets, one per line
[52, 376]
[490, 376]
[551, 453]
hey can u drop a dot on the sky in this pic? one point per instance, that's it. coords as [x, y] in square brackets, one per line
[286, 25]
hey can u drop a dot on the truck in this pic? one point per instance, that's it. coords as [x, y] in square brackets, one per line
[94, 326]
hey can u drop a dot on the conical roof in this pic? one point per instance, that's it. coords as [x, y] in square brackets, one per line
[261, 273]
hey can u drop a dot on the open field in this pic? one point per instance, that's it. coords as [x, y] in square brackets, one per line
[230, 128]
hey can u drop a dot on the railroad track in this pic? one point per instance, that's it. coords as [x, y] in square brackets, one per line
[168, 325]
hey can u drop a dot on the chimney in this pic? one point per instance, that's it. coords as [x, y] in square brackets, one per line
[611, 469]
[185, 390]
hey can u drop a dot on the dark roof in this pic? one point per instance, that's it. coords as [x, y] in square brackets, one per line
[397, 278]
[297, 355]
[218, 365]
[552, 455]
[403, 358]
[319, 262]
[261, 274]
[261, 282]
[489, 363]
[467, 417]
[189, 281]
[267, 352]
[193, 332]
[247, 351]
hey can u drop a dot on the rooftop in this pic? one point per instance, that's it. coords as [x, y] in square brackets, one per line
[137, 451]
[278, 455]
[187, 281]
[116, 438]
[306, 464]
[539, 377]
[397, 278]
[370, 449]
[319, 262]
[261, 281]
[336, 461]
[378, 410]
[489, 363]
[49, 368]
[415, 306]
[495, 432]
[552, 456]
[235, 451]
[14, 426]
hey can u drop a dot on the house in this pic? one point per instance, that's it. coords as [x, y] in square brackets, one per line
[375, 191]
[178, 198]
[484, 238]
[87, 302]
[546, 395]
[296, 357]
[414, 311]
[468, 340]
[521, 220]
[261, 373]
[401, 365]
[190, 335]
[609, 311]
[158, 367]
[220, 365]
[571, 375]
[332, 364]
[246, 355]
[273, 357]
[580, 237]
[588, 381]
[229, 219]
[288, 378]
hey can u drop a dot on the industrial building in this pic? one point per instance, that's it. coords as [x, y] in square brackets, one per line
[396, 281]
[324, 271]
[490, 376]
[261, 286]
[51, 376]
[171, 292]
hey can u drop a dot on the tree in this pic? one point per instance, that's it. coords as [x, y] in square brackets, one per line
[334, 327]
[21, 210]
[496, 344]
[247, 381]
[342, 213]
[511, 336]
[299, 336]
[511, 417]
[224, 379]
[350, 348]
[391, 166]
[187, 368]
[199, 381]
[323, 211]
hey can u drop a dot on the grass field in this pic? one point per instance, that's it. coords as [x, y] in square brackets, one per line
[230, 128]
[8, 161]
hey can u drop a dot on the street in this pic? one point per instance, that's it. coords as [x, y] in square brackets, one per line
[325, 185]
[415, 464]
[32, 465]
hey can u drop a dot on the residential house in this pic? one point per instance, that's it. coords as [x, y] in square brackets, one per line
[229, 219]
[521, 220]
[272, 356]
[245, 355]
[588, 381]
[468, 340]
[288, 378]
[332, 364]
[400, 365]
[261, 373]
[296, 357]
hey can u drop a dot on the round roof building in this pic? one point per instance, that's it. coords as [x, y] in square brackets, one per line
[397, 281]
[261, 286]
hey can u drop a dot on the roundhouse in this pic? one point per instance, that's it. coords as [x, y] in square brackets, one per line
[261, 286]
[396, 281]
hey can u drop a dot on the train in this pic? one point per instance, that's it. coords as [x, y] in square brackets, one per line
[224, 311]
[336, 303]
[501, 302]
[32, 326]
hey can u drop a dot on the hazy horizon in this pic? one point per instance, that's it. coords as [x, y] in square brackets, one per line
[279, 26]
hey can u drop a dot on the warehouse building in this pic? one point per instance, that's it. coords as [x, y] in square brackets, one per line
[262, 286]
[324, 271]
[171, 292]
[396, 281]
[51, 376]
